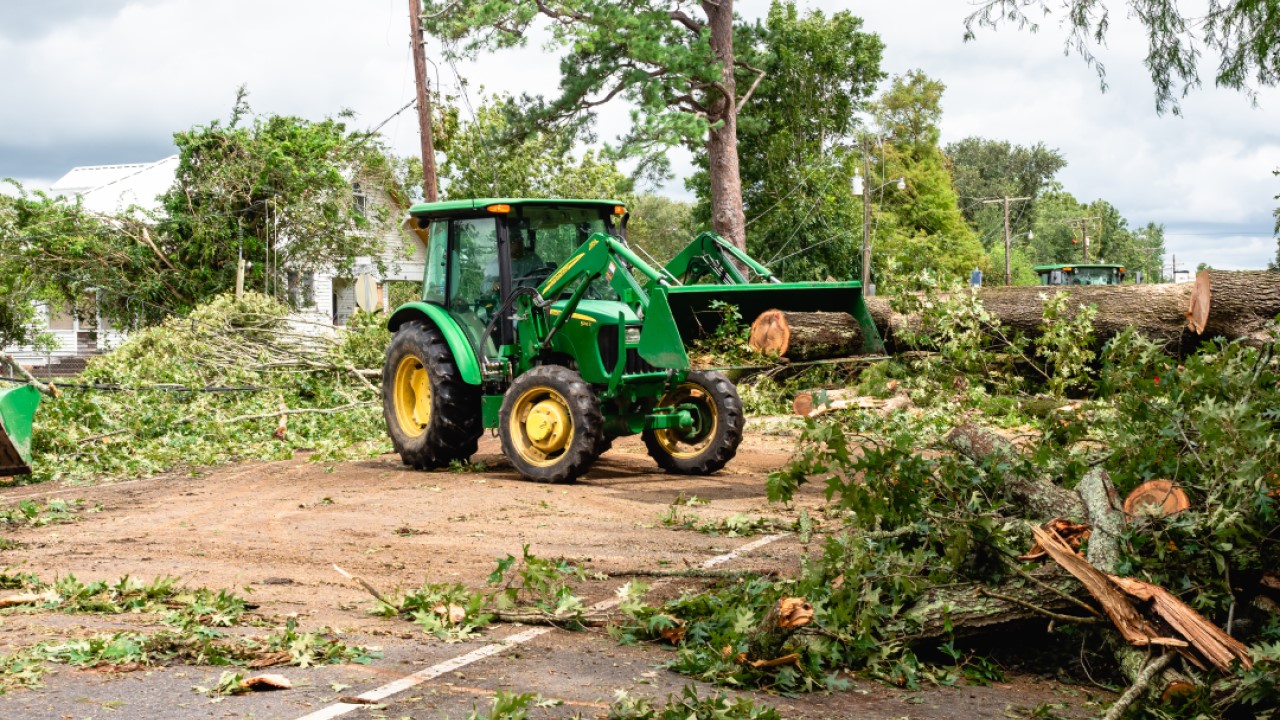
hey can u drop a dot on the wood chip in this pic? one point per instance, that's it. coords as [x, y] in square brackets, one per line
[260, 683]
[454, 614]
[28, 599]
[353, 700]
[270, 660]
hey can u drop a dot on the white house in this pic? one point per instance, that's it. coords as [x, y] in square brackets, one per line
[112, 189]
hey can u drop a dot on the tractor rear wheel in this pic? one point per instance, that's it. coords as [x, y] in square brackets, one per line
[717, 428]
[432, 414]
[551, 425]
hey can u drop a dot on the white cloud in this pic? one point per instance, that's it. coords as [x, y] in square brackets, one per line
[112, 85]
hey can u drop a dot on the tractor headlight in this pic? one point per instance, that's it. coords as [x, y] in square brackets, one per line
[633, 334]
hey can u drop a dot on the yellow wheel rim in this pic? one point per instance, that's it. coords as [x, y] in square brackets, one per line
[541, 426]
[412, 395]
[690, 443]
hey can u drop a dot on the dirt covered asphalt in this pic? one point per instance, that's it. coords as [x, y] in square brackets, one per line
[274, 531]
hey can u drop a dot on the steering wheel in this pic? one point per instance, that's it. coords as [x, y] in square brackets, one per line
[534, 277]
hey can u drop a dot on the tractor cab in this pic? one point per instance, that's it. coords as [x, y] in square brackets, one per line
[480, 252]
[1097, 274]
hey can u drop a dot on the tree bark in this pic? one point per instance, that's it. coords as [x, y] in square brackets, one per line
[800, 336]
[1232, 305]
[727, 216]
[1042, 500]
[970, 609]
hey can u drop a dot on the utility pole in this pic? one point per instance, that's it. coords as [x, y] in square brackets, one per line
[1008, 238]
[430, 184]
[1084, 232]
[866, 221]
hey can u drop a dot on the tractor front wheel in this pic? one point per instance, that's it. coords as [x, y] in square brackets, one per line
[718, 421]
[551, 425]
[433, 416]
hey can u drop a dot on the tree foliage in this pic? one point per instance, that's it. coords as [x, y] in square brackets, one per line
[481, 161]
[921, 228]
[672, 64]
[819, 72]
[1243, 35]
[660, 226]
[277, 190]
[1059, 235]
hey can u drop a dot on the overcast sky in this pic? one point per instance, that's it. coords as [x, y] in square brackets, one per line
[108, 81]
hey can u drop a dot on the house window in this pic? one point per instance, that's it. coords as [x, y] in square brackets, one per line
[359, 201]
[61, 319]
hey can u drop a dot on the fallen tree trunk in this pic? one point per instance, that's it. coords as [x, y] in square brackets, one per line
[1096, 502]
[1235, 305]
[1231, 305]
[971, 609]
[1042, 500]
[800, 336]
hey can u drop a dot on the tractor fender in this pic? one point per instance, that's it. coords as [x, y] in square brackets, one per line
[463, 354]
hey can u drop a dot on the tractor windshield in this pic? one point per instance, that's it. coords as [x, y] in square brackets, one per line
[544, 237]
[553, 233]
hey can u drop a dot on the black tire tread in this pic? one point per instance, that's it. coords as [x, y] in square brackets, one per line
[455, 427]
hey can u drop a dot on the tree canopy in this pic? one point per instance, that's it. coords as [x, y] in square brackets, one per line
[279, 191]
[480, 161]
[919, 228]
[1243, 36]
[820, 71]
[674, 64]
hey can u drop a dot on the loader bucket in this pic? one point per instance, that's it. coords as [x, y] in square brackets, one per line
[17, 409]
[694, 317]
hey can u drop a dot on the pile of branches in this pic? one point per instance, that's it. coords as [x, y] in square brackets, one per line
[234, 379]
[975, 511]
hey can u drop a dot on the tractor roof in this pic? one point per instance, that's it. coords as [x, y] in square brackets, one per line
[1076, 266]
[455, 207]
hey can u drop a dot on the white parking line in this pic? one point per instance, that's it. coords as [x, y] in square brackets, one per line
[398, 686]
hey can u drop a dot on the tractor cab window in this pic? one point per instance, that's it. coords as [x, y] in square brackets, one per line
[543, 238]
[474, 287]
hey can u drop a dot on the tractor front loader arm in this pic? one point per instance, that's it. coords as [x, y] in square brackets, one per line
[710, 254]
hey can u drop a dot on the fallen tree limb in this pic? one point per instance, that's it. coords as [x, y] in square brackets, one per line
[1139, 687]
[45, 388]
[301, 411]
[1040, 499]
[691, 573]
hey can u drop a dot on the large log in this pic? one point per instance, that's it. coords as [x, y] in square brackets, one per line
[801, 336]
[1232, 305]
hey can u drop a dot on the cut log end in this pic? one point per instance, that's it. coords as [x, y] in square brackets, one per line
[806, 335]
[1156, 497]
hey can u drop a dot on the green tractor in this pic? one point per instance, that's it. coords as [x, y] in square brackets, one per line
[538, 320]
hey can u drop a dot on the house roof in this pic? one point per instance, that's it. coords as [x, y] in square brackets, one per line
[113, 188]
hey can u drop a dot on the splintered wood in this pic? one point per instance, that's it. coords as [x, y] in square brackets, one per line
[1132, 625]
[1215, 645]
[1118, 594]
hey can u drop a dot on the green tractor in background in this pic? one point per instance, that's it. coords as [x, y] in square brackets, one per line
[538, 320]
